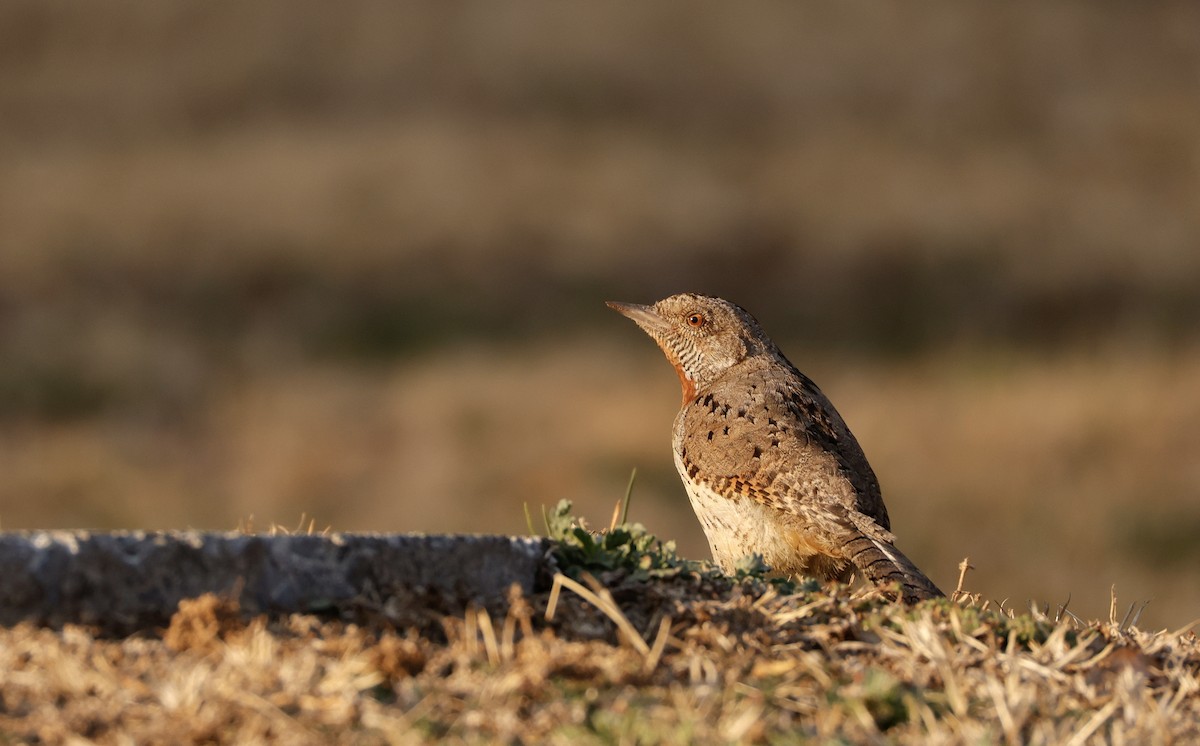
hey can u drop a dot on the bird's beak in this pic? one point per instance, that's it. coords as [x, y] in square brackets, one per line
[660, 331]
[644, 316]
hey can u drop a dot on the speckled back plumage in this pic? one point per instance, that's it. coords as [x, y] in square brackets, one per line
[768, 463]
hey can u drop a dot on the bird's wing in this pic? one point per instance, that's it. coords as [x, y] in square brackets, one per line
[780, 443]
[787, 458]
[778, 440]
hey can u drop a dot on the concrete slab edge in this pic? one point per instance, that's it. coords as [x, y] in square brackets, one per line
[123, 581]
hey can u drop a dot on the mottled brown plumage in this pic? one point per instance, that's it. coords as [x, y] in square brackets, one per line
[768, 463]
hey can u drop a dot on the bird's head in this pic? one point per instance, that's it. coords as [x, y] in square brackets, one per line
[701, 336]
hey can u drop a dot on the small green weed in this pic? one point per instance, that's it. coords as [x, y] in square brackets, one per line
[628, 547]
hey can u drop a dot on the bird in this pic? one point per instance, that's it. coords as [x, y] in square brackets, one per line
[769, 466]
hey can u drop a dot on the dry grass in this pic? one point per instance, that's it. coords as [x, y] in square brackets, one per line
[709, 662]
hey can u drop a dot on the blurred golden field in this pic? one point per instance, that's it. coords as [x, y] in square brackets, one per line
[265, 259]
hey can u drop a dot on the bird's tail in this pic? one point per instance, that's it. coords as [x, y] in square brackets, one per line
[883, 563]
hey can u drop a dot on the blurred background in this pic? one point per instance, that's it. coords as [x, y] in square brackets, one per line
[265, 258]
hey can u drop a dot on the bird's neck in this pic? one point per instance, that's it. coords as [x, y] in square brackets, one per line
[687, 383]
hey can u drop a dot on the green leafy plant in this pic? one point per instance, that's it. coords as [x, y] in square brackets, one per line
[627, 547]
[630, 549]
[754, 567]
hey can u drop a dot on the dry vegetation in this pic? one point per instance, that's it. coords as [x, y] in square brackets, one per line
[711, 661]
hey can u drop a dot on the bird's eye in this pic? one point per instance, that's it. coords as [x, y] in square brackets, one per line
[696, 320]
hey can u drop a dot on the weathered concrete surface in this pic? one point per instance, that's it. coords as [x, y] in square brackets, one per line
[125, 581]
